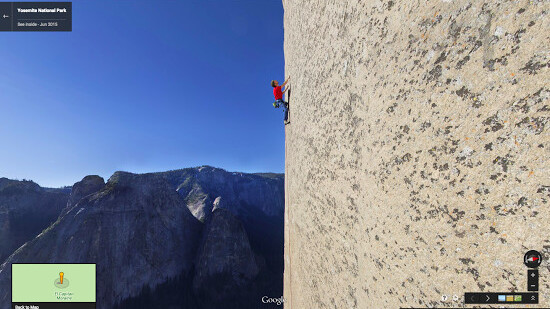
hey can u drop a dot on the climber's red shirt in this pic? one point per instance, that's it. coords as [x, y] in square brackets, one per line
[278, 93]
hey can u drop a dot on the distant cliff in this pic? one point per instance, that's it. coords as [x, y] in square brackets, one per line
[178, 230]
[25, 210]
[417, 157]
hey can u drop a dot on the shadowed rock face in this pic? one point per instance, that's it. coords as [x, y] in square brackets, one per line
[225, 262]
[140, 232]
[25, 210]
[137, 229]
[88, 185]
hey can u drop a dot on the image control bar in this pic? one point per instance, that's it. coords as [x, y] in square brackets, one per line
[505, 298]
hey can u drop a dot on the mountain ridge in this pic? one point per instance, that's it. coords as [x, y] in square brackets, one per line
[144, 222]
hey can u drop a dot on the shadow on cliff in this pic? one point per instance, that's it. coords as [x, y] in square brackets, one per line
[192, 238]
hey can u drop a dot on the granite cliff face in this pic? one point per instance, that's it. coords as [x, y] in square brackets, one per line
[141, 233]
[206, 187]
[225, 263]
[417, 153]
[25, 210]
[88, 185]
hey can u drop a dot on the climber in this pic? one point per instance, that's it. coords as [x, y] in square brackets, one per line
[279, 97]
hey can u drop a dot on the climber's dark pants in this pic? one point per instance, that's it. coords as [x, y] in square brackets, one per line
[284, 104]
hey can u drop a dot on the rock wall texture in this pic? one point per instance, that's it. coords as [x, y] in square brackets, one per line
[417, 153]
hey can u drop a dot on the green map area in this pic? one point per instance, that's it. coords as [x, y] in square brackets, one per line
[53, 283]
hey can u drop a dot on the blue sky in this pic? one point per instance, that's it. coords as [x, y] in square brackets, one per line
[143, 86]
